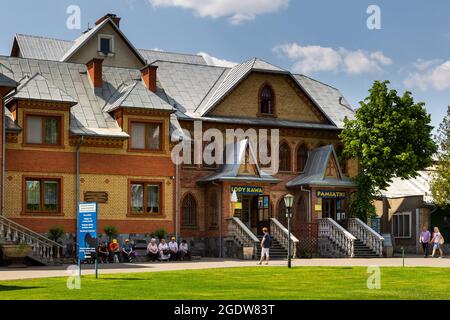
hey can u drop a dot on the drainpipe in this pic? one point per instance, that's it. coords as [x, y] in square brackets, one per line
[309, 201]
[220, 220]
[177, 181]
[3, 154]
[77, 177]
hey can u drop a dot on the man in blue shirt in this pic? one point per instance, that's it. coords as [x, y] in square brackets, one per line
[265, 246]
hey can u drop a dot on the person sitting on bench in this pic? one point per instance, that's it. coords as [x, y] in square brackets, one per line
[184, 251]
[127, 251]
[152, 250]
[114, 251]
[164, 253]
[103, 253]
[173, 248]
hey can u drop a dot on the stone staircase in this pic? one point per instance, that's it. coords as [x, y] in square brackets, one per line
[351, 238]
[277, 251]
[360, 250]
[45, 251]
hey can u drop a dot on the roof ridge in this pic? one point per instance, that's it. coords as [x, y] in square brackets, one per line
[318, 81]
[189, 63]
[173, 52]
[209, 91]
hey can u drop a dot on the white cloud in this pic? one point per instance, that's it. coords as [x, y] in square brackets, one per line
[238, 11]
[433, 74]
[308, 59]
[213, 61]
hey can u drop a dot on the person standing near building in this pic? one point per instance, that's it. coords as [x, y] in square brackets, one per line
[437, 241]
[425, 237]
[265, 246]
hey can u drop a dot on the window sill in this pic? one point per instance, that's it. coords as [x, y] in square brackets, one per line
[41, 214]
[146, 215]
[193, 228]
[146, 150]
[43, 146]
[266, 115]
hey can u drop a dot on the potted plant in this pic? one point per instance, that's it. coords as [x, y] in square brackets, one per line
[160, 233]
[16, 253]
[111, 232]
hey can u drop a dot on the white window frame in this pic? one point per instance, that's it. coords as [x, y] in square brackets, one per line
[106, 36]
[398, 214]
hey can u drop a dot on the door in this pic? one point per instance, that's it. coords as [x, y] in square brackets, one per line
[329, 208]
[263, 212]
[246, 211]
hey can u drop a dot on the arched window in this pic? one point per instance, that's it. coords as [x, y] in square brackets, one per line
[285, 157]
[267, 153]
[302, 157]
[213, 214]
[266, 100]
[189, 211]
[281, 212]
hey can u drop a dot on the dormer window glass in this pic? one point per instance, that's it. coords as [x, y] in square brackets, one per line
[266, 101]
[106, 45]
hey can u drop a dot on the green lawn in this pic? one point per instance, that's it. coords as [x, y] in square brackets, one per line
[243, 283]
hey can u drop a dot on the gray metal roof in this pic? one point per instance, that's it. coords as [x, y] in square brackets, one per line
[136, 95]
[154, 55]
[229, 171]
[233, 78]
[7, 82]
[37, 87]
[186, 84]
[87, 116]
[315, 170]
[42, 48]
[330, 99]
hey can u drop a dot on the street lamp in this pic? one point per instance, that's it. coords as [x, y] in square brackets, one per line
[288, 200]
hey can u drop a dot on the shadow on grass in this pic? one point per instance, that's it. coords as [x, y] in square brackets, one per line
[130, 279]
[15, 288]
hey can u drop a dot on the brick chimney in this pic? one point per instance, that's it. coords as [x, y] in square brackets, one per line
[149, 77]
[113, 17]
[95, 72]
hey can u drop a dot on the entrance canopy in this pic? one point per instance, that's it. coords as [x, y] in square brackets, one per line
[322, 169]
[241, 165]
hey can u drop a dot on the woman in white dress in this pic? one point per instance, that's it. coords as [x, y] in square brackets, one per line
[164, 253]
[437, 241]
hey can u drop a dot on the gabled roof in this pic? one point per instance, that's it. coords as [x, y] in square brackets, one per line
[43, 48]
[37, 87]
[233, 78]
[229, 171]
[315, 170]
[81, 41]
[7, 82]
[330, 99]
[136, 95]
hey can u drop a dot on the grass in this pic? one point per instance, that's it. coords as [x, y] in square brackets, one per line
[242, 283]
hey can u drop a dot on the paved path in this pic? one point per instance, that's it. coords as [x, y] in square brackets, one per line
[206, 263]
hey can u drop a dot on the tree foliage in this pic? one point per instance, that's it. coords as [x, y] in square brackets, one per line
[390, 136]
[440, 183]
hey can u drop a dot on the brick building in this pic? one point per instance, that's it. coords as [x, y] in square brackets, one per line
[96, 119]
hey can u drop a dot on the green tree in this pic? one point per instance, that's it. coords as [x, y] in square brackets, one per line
[440, 183]
[391, 137]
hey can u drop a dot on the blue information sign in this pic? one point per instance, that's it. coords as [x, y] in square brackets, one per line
[87, 229]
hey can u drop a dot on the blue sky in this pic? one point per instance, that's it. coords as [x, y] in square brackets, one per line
[325, 39]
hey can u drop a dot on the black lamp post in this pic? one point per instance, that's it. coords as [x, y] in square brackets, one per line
[288, 200]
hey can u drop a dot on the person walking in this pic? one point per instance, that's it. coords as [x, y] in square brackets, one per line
[265, 246]
[437, 241]
[425, 237]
